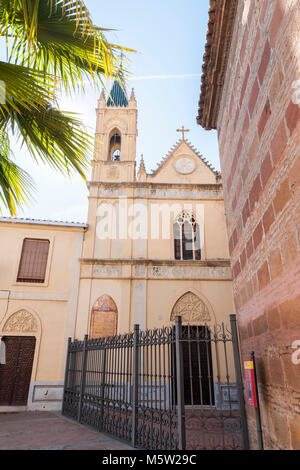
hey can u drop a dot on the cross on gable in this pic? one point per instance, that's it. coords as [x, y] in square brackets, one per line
[183, 130]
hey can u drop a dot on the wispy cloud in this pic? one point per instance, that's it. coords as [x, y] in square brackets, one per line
[166, 77]
[134, 78]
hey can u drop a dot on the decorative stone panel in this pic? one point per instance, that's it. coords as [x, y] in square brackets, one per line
[22, 322]
[189, 272]
[191, 309]
[107, 271]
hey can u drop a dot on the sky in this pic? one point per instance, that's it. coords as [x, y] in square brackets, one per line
[169, 38]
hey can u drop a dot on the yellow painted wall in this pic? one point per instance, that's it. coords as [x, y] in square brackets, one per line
[52, 304]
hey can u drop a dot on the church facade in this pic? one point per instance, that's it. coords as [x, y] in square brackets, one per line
[154, 247]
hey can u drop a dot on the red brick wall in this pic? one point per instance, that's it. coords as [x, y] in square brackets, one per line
[258, 129]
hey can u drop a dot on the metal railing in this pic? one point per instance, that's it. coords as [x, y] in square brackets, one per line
[177, 387]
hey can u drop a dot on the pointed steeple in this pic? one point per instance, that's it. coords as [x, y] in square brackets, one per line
[142, 164]
[102, 96]
[142, 174]
[132, 96]
[102, 100]
[132, 100]
[117, 96]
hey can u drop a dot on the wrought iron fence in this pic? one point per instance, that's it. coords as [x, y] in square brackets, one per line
[171, 388]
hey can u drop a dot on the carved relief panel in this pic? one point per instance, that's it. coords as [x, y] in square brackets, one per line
[22, 322]
[192, 309]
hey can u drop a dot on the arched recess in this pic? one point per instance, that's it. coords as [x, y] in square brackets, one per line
[104, 318]
[192, 309]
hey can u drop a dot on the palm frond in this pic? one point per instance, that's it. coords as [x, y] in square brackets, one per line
[24, 87]
[65, 42]
[52, 43]
[52, 136]
[16, 185]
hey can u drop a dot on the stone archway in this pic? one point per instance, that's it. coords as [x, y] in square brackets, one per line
[104, 318]
[192, 309]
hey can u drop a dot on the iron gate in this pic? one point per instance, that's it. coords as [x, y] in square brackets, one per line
[163, 389]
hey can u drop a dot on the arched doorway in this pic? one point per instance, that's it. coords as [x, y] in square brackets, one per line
[104, 318]
[21, 335]
[196, 349]
[15, 374]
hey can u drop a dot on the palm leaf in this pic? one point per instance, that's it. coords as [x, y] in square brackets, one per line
[24, 87]
[54, 137]
[16, 185]
[53, 43]
[65, 42]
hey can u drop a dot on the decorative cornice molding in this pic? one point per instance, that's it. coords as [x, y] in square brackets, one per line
[156, 271]
[34, 296]
[151, 262]
[155, 194]
[215, 60]
[152, 185]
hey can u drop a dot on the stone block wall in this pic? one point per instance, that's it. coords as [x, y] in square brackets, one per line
[258, 131]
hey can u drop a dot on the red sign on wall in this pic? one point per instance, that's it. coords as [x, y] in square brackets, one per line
[250, 383]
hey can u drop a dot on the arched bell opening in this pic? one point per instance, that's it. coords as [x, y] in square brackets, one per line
[114, 152]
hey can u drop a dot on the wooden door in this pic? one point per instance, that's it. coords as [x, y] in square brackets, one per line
[15, 375]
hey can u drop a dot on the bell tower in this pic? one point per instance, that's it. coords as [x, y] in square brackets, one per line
[116, 133]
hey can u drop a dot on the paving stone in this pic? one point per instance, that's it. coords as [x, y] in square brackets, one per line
[51, 431]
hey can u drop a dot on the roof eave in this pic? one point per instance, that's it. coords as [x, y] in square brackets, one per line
[218, 41]
[52, 223]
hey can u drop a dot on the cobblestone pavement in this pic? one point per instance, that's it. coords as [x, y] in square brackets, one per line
[43, 430]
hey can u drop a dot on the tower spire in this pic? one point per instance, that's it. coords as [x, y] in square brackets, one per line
[142, 174]
[102, 100]
[132, 96]
[117, 95]
[116, 133]
[132, 100]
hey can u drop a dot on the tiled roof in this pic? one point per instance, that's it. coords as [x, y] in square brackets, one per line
[117, 96]
[17, 220]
